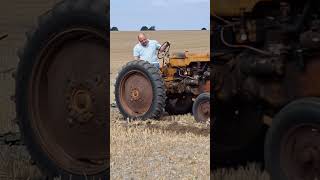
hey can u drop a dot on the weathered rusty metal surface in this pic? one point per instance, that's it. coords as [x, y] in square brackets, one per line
[303, 81]
[177, 61]
[274, 83]
[261, 64]
[136, 93]
[68, 111]
[205, 87]
[182, 73]
[233, 7]
[169, 73]
[300, 152]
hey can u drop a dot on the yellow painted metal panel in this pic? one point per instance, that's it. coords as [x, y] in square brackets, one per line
[190, 57]
[232, 7]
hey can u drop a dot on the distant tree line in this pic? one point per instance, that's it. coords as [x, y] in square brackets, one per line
[143, 28]
[114, 28]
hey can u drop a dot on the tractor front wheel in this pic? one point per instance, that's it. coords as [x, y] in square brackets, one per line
[292, 147]
[201, 108]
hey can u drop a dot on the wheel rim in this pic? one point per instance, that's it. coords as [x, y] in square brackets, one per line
[68, 113]
[136, 93]
[203, 111]
[300, 152]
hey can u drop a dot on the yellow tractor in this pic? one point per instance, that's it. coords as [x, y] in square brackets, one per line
[181, 85]
[266, 66]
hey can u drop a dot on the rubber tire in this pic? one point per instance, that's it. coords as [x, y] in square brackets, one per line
[158, 88]
[251, 153]
[65, 14]
[201, 98]
[178, 110]
[306, 110]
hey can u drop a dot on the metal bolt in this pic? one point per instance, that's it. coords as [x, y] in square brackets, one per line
[243, 37]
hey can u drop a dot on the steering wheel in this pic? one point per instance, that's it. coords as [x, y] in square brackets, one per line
[163, 50]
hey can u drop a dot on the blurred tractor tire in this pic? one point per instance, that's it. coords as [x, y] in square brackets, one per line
[140, 91]
[292, 147]
[66, 52]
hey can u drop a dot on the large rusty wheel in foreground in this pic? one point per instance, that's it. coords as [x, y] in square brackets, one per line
[292, 148]
[61, 91]
[140, 91]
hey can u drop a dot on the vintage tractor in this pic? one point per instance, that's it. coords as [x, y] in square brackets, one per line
[143, 91]
[61, 99]
[265, 73]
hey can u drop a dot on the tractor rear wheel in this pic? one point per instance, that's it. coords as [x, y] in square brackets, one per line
[292, 147]
[140, 91]
[61, 99]
[238, 134]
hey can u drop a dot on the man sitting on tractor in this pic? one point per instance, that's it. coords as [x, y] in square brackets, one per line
[147, 50]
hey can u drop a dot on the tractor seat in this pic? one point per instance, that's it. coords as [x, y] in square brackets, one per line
[178, 55]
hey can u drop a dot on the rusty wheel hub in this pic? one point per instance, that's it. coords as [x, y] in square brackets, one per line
[300, 152]
[80, 103]
[204, 111]
[136, 94]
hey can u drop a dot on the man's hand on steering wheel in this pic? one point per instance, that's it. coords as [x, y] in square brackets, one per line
[163, 50]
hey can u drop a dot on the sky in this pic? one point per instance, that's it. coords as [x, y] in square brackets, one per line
[131, 15]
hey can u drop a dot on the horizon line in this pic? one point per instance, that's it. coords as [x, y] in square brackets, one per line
[165, 30]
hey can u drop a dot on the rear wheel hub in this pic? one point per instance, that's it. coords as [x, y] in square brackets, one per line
[136, 93]
[80, 103]
[204, 111]
[300, 152]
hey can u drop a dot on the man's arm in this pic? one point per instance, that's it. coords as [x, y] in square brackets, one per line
[158, 45]
[136, 54]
